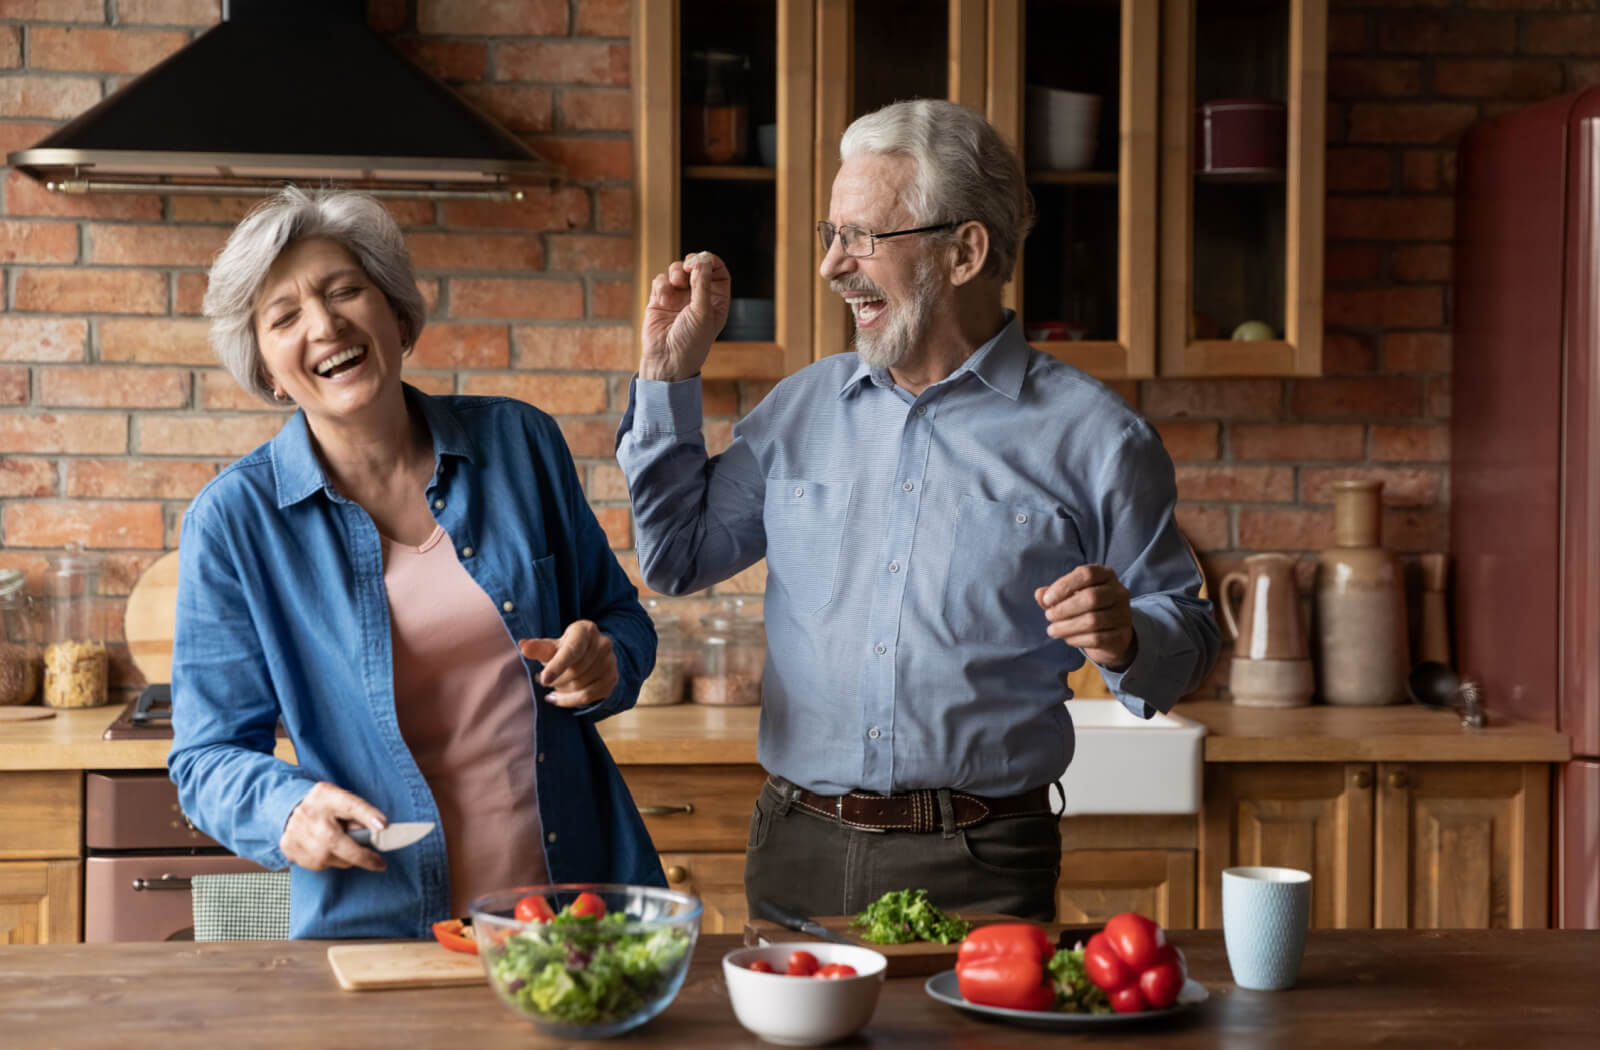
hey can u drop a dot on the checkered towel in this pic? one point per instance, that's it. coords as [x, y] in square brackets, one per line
[247, 906]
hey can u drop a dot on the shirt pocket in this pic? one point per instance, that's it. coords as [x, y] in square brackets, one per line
[1002, 552]
[805, 523]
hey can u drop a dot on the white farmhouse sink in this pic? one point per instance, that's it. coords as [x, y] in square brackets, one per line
[1125, 764]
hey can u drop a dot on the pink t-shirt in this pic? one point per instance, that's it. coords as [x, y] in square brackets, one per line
[467, 712]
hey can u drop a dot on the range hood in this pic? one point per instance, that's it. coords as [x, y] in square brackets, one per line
[285, 91]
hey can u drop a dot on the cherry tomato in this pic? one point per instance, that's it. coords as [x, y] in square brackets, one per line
[533, 908]
[837, 970]
[761, 966]
[802, 963]
[587, 906]
[1135, 938]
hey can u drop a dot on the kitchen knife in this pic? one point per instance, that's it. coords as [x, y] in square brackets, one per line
[768, 910]
[395, 836]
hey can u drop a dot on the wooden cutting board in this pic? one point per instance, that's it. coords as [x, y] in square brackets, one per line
[404, 964]
[147, 623]
[917, 959]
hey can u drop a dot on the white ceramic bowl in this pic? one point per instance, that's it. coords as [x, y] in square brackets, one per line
[803, 1011]
[1063, 128]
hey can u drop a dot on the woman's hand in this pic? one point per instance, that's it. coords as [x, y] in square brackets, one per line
[580, 668]
[688, 307]
[314, 837]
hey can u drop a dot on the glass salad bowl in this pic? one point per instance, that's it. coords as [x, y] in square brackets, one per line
[586, 961]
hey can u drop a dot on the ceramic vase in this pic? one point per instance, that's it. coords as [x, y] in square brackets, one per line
[1271, 664]
[1363, 652]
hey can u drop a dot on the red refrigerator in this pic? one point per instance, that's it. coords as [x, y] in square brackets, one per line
[1525, 449]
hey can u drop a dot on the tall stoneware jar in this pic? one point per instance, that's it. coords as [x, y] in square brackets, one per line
[1361, 606]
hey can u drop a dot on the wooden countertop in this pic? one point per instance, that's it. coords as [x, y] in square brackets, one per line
[688, 734]
[1403, 988]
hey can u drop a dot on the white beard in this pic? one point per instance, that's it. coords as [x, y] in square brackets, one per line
[907, 328]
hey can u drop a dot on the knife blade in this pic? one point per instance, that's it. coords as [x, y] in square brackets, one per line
[799, 923]
[393, 837]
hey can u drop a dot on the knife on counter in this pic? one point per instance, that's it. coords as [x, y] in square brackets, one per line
[393, 837]
[799, 923]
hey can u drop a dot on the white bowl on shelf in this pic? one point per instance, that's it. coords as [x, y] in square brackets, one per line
[1063, 129]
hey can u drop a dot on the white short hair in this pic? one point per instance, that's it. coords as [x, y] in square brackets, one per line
[965, 171]
[355, 220]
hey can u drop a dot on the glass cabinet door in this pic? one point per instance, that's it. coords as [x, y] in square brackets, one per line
[1074, 83]
[1242, 190]
[724, 163]
[871, 53]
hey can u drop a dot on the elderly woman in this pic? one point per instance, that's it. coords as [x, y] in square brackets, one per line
[365, 577]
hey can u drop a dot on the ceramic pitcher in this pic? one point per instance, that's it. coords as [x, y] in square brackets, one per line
[1361, 610]
[1266, 624]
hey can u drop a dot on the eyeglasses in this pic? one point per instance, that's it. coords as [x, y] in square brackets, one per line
[860, 243]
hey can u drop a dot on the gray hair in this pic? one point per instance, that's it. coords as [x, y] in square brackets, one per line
[356, 220]
[964, 171]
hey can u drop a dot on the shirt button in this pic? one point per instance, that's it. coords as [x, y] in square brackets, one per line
[466, 552]
[798, 492]
[509, 606]
[550, 837]
[873, 733]
[880, 648]
[1022, 519]
[910, 486]
[541, 756]
[438, 504]
[922, 410]
[894, 566]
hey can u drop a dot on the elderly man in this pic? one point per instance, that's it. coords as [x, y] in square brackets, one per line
[952, 522]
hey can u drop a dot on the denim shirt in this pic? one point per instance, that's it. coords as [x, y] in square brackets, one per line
[904, 537]
[283, 614]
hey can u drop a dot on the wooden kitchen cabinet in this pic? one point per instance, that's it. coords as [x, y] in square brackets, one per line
[1242, 245]
[1126, 253]
[699, 819]
[1427, 845]
[1097, 884]
[41, 877]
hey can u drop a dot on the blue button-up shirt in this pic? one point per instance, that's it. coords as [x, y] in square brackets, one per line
[904, 539]
[282, 613]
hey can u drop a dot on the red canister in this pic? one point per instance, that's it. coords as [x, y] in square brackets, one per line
[1240, 136]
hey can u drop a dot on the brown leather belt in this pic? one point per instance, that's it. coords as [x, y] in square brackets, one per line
[912, 810]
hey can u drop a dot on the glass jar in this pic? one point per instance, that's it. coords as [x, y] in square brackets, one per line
[19, 656]
[665, 684]
[75, 649]
[716, 110]
[733, 651]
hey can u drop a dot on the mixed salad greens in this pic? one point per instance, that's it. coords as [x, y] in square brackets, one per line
[581, 970]
[1075, 992]
[902, 916]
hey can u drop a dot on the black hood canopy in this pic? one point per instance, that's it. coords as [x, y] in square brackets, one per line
[285, 91]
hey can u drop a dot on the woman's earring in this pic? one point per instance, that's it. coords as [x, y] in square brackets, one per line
[279, 395]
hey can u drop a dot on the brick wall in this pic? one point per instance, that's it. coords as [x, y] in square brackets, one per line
[113, 413]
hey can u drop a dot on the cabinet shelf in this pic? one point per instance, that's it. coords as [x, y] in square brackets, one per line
[730, 172]
[1241, 178]
[1073, 178]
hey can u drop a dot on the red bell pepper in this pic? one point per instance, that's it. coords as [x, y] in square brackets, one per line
[1004, 965]
[456, 934]
[1131, 960]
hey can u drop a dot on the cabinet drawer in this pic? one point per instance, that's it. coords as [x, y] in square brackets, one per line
[695, 807]
[43, 814]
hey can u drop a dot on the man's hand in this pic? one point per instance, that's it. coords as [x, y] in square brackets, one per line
[579, 669]
[315, 838]
[1088, 608]
[688, 307]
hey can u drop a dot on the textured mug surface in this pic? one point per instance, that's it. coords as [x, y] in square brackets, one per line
[1265, 912]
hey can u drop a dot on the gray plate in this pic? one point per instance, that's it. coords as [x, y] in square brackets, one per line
[943, 987]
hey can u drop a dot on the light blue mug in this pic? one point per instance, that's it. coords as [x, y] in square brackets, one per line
[1265, 912]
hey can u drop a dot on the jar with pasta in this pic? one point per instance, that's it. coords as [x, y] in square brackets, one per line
[666, 683]
[75, 648]
[19, 654]
[733, 652]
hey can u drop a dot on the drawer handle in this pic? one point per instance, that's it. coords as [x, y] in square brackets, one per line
[677, 873]
[165, 882]
[665, 811]
[1399, 779]
[1363, 779]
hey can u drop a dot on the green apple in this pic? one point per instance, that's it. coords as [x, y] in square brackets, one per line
[1254, 330]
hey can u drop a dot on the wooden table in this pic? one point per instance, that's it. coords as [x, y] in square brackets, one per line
[1493, 989]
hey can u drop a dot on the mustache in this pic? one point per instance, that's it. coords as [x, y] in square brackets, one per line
[855, 282]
